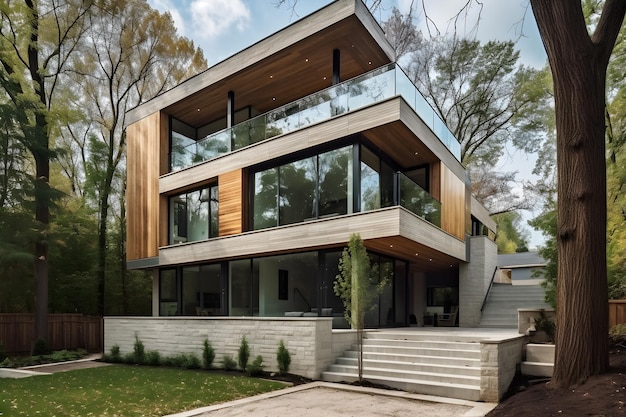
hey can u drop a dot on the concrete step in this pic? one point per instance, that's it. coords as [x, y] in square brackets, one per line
[420, 336]
[438, 344]
[443, 389]
[425, 351]
[537, 369]
[420, 364]
[536, 352]
[394, 373]
[412, 358]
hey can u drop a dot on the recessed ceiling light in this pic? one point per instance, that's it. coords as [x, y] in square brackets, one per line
[431, 259]
[198, 109]
[369, 62]
[271, 76]
[273, 98]
[306, 60]
[391, 246]
[324, 77]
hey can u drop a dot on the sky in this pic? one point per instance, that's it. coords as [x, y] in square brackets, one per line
[224, 27]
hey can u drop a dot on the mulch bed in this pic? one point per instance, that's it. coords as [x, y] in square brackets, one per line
[602, 395]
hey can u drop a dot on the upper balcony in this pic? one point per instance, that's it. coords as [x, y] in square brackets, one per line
[374, 86]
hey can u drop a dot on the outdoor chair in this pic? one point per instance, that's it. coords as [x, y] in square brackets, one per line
[448, 319]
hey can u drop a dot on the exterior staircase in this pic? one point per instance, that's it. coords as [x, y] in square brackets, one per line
[438, 364]
[500, 310]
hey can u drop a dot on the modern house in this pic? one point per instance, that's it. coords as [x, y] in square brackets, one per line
[246, 182]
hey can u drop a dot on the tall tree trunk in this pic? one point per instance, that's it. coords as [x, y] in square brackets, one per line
[578, 65]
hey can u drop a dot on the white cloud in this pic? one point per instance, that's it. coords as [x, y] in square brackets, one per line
[212, 18]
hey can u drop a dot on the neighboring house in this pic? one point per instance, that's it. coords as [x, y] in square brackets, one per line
[525, 268]
[246, 181]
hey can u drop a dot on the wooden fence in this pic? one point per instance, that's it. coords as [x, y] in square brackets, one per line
[65, 331]
[617, 312]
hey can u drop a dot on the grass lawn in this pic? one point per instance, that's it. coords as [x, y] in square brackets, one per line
[119, 390]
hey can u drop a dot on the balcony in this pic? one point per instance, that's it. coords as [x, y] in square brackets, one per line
[375, 86]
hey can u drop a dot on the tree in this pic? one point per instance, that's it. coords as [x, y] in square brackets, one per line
[130, 53]
[508, 236]
[37, 40]
[358, 284]
[578, 62]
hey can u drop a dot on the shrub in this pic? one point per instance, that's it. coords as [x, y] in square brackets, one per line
[191, 361]
[228, 363]
[129, 358]
[256, 367]
[178, 361]
[115, 355]
[283, 358]
[544, 323]
[40, 347]
[244, 354]
[139, 351]
[208, 355]
[153, 358]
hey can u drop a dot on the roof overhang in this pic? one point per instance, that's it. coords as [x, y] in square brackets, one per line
[292, 63]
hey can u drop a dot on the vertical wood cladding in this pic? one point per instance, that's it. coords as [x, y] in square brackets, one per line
[142, 192]
[453, 203]
[231, 203]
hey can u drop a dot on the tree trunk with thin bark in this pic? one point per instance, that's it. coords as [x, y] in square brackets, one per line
[579, 62]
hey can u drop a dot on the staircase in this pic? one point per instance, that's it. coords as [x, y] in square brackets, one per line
[503, 301]
[437, 364]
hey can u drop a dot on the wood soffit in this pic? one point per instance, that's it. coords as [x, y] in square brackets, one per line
[302, 68]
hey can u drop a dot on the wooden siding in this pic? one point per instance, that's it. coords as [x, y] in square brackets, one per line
[617, 312]
[231, 203]
[453, 203]
[65, 331]
[142, 192]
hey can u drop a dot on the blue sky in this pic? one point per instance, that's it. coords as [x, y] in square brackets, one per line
[224, 27]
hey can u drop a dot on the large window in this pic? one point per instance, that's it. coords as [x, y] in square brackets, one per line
[326, 185]
[308, 188]
[194, 216]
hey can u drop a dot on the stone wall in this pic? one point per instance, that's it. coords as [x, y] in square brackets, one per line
[474, 279]
[499, 360]
[310, 341]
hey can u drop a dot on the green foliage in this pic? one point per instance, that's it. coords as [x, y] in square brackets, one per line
[546, 223]
[243, 354]
[41, 347]
[192, 361]
[153, 358]
[208, 355]
[139, 351]
[256, 367]
[115, 354]
[545, 324]
[125, 391]
[358, 283]
[283, 358]
[228, 363]
[510, 236]
[57, 356]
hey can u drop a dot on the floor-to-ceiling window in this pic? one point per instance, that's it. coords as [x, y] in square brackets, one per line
[299, 284]
[308, 188]
[193, 215]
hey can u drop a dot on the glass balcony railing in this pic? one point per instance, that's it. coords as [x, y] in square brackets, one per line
[376, 85]
[418, 201]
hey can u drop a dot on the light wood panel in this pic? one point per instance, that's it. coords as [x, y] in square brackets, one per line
[142, 190]
[231, 203]
[453, 203]
[289, 64]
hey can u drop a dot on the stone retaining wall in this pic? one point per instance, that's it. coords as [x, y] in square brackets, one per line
[498, 363]
[310, 341]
